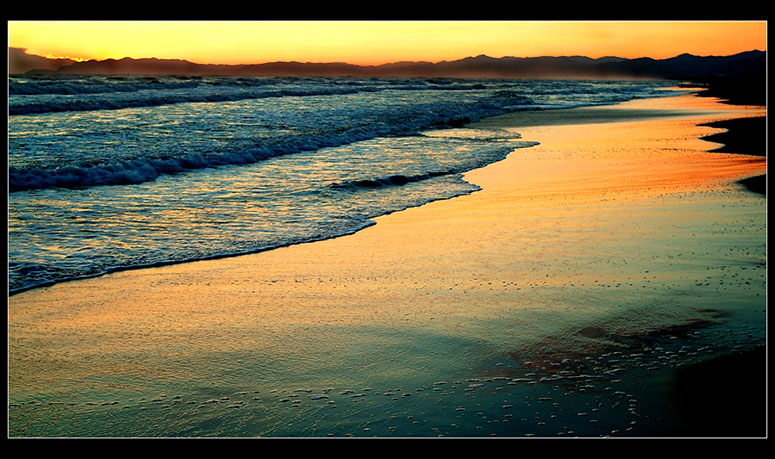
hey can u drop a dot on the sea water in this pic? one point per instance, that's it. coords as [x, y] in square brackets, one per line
[114, 172]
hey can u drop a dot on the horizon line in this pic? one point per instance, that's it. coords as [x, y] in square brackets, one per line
[81, 60]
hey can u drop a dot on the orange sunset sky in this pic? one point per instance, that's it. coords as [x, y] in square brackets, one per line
[378, 42]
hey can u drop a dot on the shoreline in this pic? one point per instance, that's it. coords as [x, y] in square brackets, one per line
[743, 136]
[739, 138]
[517, 269]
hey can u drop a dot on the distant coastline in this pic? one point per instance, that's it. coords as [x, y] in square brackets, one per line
[683, 67]
[744, 135]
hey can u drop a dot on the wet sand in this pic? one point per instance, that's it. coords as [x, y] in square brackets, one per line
[618, 225]
[744, 136]
[741, 373]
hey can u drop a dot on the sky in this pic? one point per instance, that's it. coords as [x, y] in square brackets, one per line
[379, 42]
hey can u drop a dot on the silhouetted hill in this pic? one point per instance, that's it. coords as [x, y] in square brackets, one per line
[149, 66]
[683, 67]
[301, 69]
[21, 62]
[690, 67]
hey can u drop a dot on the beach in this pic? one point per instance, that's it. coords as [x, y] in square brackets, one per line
[559, 300]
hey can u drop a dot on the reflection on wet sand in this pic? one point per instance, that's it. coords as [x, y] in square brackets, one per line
[606, 255]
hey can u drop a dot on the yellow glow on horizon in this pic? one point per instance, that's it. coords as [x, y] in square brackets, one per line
[51, 56]
[378, 42]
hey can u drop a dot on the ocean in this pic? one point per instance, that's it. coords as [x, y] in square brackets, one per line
[114, 172]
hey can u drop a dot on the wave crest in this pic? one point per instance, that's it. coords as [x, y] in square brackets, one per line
[392, 180]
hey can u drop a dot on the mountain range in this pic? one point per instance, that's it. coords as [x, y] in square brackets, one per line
[682, 67]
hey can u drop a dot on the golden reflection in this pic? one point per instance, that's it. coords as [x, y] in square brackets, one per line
[550, 220]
